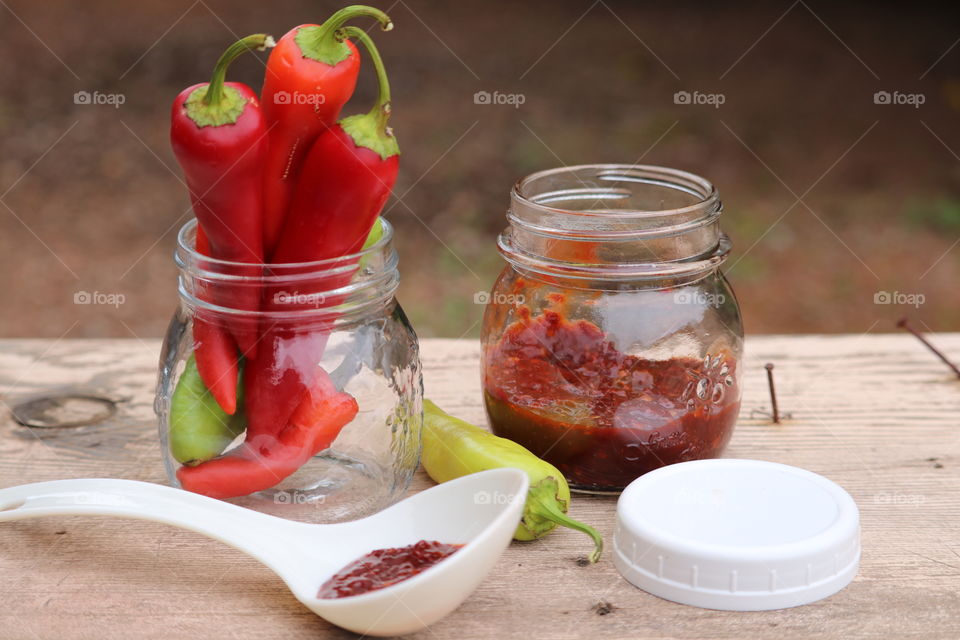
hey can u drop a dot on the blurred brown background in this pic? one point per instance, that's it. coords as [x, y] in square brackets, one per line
[831, 198]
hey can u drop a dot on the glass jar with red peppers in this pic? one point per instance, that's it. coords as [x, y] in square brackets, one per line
[291, 388]
[612, 342]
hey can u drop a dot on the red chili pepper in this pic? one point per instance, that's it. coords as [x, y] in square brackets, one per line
[219, 137]
[346, 179]
[262, 462]
[310, 76]
[214, 347]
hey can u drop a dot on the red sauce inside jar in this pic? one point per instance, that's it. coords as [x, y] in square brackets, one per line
[385, 567]
[603, 417]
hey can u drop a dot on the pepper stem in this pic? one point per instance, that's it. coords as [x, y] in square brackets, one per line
[370, 130]
[258, 41]
[321, 42]
[545, 506]
[381, 108]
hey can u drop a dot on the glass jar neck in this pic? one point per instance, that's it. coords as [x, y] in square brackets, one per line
[615, 222]
[340, 289]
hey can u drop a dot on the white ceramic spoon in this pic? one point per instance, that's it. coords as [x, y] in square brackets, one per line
[480, 511]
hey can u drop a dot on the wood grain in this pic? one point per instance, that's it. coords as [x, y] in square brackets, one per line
[876, 413]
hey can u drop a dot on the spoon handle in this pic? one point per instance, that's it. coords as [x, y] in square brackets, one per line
[259, 535]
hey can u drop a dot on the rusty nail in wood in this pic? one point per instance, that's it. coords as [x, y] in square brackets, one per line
[904, 324]
[773, 392]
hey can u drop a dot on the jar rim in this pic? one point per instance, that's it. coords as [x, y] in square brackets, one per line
[708, 195]
[340, 287]
[187, 254]
[611, 227]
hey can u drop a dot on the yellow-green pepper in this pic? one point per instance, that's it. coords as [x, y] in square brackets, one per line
[199, 428]
[454, 448]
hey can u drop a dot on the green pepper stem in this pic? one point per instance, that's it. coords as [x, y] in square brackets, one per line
[322, 42]
[381, 108]
[370, 129]
[547, 509]
[333, 24]
[214, 94]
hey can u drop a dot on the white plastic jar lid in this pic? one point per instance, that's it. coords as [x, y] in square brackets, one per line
[738, 535]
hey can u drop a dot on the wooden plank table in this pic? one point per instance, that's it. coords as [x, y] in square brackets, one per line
[878, 414]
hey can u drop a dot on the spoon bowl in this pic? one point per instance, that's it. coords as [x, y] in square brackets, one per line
[480, 511]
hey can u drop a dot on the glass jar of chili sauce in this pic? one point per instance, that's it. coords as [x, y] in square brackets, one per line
[612, 342]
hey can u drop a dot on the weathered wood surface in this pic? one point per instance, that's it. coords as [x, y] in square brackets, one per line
[878, 414]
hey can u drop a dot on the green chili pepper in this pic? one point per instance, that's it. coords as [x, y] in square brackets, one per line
[199, 428]
[376, 232]
[454, 448]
